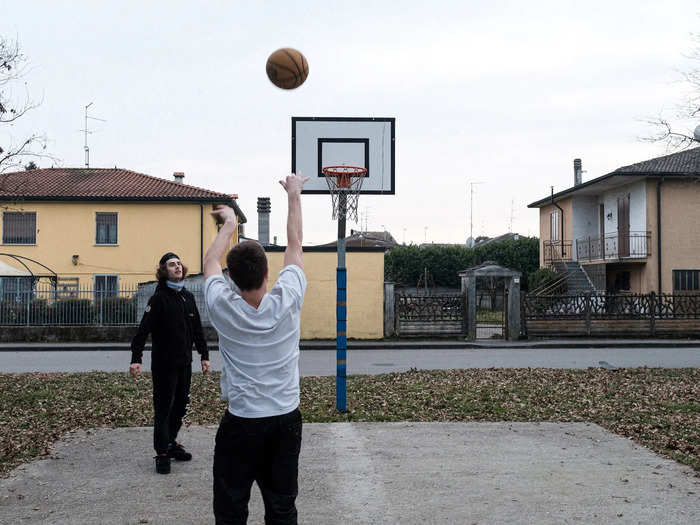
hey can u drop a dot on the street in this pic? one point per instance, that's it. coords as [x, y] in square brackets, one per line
[379, 361]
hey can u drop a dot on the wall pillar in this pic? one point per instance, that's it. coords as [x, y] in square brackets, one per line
[471, 307]
[389, 310]
[513, 308]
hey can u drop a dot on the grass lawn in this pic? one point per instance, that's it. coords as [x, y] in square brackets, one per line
[658, 408]
[489, 316]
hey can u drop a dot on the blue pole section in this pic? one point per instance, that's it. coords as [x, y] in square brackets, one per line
[341, 340]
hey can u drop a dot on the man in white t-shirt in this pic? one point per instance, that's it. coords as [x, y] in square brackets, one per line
[259, 437]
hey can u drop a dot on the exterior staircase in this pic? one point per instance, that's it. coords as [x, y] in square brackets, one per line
[577, 279]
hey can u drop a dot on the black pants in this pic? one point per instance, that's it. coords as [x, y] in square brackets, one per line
[265, 450]
[171, 399]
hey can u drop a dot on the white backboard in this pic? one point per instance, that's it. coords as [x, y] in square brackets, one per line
[318, 142]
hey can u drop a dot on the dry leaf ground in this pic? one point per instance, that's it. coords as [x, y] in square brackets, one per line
[658, 408]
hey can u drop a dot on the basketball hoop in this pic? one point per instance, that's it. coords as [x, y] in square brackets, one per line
[344, 185]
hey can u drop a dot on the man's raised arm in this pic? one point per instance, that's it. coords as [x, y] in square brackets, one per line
[293, 253]
[215, 252]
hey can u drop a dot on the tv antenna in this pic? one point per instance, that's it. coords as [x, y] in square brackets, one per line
[88, 132]
[512, 215]
[471, 209]
[366, 219]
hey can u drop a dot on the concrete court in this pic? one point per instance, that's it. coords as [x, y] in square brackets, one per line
[406, 473]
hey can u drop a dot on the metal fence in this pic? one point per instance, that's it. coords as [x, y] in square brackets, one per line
[555, 251]
[429, 315]
[634, 245]
[430, 308]
[48, 305]
[612, 306]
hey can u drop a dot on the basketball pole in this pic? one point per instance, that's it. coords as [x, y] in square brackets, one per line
[341, 309]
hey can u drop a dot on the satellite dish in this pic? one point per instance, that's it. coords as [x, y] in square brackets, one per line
[696, 134]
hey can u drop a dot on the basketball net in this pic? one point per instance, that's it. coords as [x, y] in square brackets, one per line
[344, 185]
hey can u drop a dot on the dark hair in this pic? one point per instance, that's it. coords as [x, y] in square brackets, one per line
[247, 265]
[162, 272]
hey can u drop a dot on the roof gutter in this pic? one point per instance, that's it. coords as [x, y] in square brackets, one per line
[561, 231]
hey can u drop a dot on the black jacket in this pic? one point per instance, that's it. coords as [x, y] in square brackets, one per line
[173, 321]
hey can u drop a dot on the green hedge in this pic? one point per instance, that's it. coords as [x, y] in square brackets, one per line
[541, 277]
[404, 265]
[118, 310]
[108, 311]
[74, 311]
[12, 312]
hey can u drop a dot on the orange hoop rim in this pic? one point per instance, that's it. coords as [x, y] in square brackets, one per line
[349, 171]
[344, 174]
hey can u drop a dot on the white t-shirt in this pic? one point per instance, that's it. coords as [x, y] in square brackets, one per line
[259, 347]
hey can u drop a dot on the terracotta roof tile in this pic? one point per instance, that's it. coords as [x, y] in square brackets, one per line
[685, 162]
[98, 184]
[680, 164]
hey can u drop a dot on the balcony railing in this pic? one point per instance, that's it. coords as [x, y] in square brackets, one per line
[614, 246]
[556, 251]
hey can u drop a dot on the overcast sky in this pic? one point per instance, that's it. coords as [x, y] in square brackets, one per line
[502, 93]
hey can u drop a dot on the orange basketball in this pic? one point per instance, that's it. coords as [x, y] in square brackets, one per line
[287, 68]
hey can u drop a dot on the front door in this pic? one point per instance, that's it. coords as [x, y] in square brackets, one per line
[623, 226]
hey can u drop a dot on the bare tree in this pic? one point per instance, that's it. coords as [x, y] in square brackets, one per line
[677, 129]
[15, 102]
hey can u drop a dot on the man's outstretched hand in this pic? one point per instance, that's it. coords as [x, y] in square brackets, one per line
[294, 183]
[224, 214]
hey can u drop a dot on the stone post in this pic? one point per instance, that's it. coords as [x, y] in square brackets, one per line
[389, 310]
[514, 308]
[471, 307]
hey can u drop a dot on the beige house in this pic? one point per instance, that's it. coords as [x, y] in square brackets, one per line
[636, 229]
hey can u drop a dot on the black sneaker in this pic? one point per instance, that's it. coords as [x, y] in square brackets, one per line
[162, 464]
[178, 452]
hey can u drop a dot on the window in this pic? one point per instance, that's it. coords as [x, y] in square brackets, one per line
[686, 280]
[105, 228]
[622, 282]
[554, 223]
[19, 227]
[106, 286]
[16, 289]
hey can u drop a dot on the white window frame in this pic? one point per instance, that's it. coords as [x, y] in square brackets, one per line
[94, 284]
[554, 221]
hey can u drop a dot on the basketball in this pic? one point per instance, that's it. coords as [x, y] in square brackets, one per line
[287, 68]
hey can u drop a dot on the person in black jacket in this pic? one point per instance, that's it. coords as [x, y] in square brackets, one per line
[172, 319]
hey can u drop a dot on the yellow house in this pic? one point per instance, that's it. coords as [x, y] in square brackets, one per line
[636, 229]
[365, 292]
[101, 229]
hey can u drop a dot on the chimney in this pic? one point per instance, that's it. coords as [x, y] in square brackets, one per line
[264, 220]
[178, 176]
[578, 172]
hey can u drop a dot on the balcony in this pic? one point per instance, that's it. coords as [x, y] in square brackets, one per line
[614, 247]
[557, 251]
